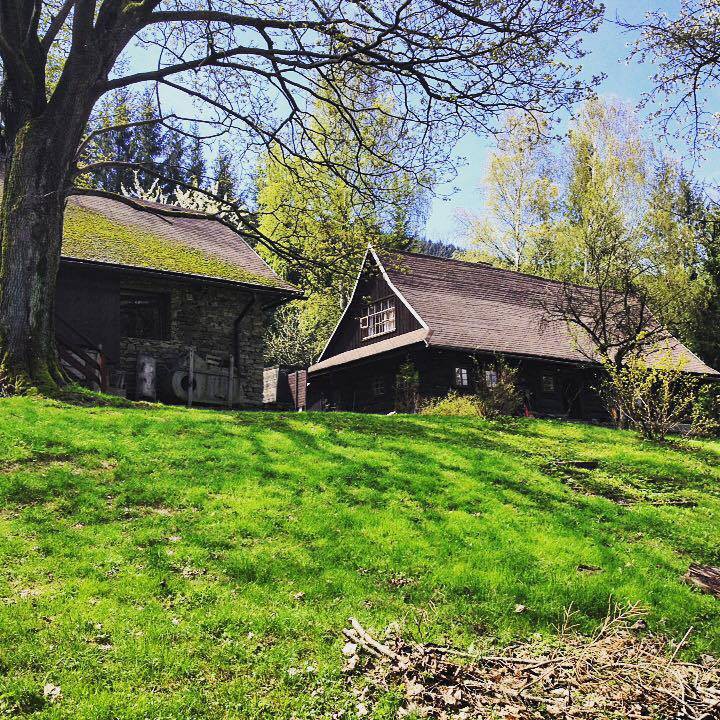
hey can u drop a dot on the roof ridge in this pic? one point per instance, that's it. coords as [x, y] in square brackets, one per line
[483, 263]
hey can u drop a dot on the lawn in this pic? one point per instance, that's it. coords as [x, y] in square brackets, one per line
[163, 563]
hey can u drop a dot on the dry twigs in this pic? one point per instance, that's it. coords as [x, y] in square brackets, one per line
[617, 672]
[705, 577]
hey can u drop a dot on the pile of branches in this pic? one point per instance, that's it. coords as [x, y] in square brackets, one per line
[620, 671]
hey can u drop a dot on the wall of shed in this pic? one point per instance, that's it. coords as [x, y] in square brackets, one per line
[371, 288]
[201, 315]
[284, 388]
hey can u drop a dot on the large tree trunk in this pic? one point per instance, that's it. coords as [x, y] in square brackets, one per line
[41, 136]
[30, 241]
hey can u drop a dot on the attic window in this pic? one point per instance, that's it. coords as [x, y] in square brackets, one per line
[144, 315]
[378, 319]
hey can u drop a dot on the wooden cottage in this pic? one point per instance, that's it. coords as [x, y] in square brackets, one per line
[142, 296]
[453, 320]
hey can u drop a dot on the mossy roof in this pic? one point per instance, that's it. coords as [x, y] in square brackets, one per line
[109, 231]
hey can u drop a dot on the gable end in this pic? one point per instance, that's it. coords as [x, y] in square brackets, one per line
[373, 287]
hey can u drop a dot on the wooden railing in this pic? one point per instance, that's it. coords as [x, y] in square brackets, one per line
[83, 360]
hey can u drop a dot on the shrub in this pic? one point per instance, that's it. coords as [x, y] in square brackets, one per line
[654, 399]
[407, 388]
[706, 411]
[504, 398]
[454, 404]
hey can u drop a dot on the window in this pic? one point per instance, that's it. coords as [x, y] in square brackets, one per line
[144, 315]
[548, 384]
[378, 319]
[461, 377]
[491, 378]
[378, 386]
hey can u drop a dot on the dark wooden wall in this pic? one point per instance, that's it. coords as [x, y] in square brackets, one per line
[89, 300]
[372, 287]
[351, 387]
[297, 384]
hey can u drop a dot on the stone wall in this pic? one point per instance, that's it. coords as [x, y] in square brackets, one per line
[202, 316]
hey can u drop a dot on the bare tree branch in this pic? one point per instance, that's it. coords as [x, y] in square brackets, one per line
[56, 23]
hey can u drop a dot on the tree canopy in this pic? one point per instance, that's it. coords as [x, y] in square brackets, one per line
[686, 52]
[607, 209]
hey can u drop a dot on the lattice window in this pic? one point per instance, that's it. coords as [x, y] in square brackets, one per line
[378, 319]
[491, 378]
[144, 315]
[461, 377]
[548, 384]
[378, 386]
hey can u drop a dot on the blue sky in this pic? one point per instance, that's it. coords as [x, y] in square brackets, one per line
[608, 49]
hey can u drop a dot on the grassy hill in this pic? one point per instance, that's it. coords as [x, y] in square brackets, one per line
[160, 563]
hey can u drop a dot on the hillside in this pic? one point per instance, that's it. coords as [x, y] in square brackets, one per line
[164, 563]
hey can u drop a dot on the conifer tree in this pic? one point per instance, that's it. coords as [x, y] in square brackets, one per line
[149, 145]
[196, 169]
[224, 175]
[173, 165]
[118, 109]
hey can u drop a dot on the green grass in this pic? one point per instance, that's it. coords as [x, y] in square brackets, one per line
[151, 560]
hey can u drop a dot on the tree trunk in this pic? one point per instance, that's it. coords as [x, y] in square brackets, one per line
[30, 242]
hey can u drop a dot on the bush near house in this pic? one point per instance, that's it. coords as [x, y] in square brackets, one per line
[158, 562]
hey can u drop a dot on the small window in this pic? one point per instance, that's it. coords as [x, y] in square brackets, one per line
[461, 377]
[491, 378]
[378, 387]
[378, 319]
[144, 315]
[548, 384]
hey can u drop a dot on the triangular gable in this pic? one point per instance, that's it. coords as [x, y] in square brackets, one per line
[370, 253]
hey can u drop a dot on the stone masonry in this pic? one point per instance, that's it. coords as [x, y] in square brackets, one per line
[202, 316]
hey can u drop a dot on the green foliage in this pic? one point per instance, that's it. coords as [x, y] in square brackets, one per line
[91, 236]
[152, 558]
[148, 138]
[454, 404]
[299, 331]
[223, 174]
[320, 213]
[196, 168]
[673, 251]
[605, 208]
[489, 401]
[704, 323]
[521, 198]
[116, 109]
[161, 149]
[705, 414]
[407, 388]
[174, 162]
[504, 397]
[654, 399]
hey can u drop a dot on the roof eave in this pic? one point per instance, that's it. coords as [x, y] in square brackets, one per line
[710, 372]
[188, 277]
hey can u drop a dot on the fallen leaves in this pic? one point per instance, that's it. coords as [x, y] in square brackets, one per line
[705, 577]
[52, 693]
[617, 672]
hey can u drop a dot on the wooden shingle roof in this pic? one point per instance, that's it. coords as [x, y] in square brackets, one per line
[481, 308]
